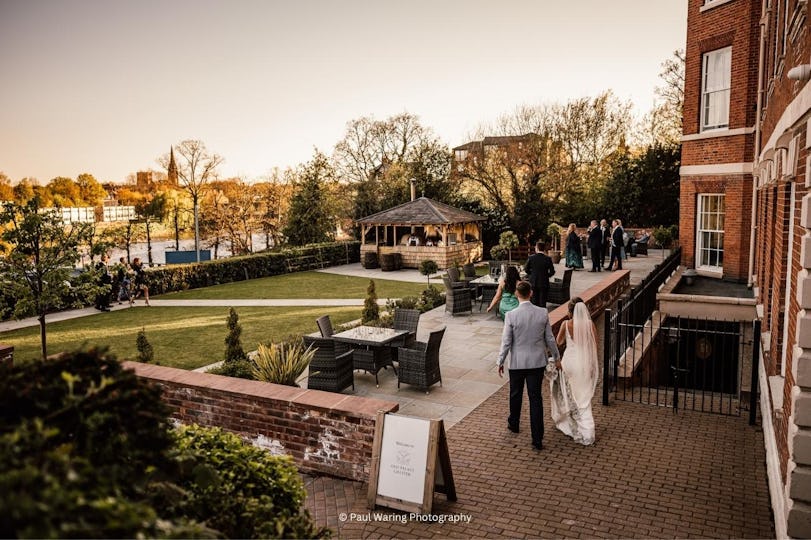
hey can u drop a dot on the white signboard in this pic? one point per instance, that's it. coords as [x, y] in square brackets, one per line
[404, 458]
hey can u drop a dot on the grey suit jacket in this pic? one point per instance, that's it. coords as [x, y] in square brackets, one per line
[527, 337]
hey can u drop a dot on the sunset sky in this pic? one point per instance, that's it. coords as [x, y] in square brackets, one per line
[106, 86]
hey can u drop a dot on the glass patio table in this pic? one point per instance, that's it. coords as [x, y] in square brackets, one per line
[486, 287]
[371, 347]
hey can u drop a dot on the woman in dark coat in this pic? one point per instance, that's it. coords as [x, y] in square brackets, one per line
[574, 252]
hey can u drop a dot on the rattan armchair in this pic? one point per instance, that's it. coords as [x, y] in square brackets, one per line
[419, 364]
[329, 370]
[407, 319]
[559, 289]
[325, 327]
[457, 300]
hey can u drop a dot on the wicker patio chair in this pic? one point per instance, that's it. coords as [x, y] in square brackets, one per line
[329, 370]
[419, 364]
[325, 327]
[469, 271]
[457, 300]
[406, 319]
[640, 248]
[559, 289]
[372, 360]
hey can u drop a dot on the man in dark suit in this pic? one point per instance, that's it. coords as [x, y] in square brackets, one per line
[539, 269]
[595, 242]
[606, 232]
[616, 245]
[528, 338]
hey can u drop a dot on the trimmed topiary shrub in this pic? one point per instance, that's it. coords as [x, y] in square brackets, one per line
[371, 311]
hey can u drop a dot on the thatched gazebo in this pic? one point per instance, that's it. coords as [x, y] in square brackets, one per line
[423, 229]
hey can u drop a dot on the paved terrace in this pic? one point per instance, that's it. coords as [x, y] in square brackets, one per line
[651, 474]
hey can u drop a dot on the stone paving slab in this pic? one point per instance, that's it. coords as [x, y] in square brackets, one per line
[651, 474]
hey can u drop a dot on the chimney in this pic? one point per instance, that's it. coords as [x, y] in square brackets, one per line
[413, 189]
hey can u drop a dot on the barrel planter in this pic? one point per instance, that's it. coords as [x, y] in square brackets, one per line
[370, 260]
[391, 261]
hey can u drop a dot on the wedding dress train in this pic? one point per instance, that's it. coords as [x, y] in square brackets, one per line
[572, 388]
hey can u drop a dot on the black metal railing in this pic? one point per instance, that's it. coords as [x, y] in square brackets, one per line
[694, 364]
[628, 320]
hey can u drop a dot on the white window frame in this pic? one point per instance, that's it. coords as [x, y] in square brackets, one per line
[718, 93]
[704, 226]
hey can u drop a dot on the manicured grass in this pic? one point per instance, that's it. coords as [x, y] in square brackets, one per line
[182, 337]
[305, 285]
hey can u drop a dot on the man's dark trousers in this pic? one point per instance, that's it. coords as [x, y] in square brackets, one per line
[539, 296]
[533, 379]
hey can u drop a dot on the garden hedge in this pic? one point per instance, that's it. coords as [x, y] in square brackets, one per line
[271, 263]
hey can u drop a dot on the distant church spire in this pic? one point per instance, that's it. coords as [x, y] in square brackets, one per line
[172, 170]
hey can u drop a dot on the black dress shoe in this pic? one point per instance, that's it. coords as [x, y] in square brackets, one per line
[514, 429]
[537, 447]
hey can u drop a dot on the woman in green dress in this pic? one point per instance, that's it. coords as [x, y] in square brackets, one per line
[505, 297]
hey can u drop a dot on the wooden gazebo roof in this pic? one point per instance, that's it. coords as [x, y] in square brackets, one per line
[422, 211]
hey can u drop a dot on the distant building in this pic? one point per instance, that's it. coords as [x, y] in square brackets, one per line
[118, 213]
[143, 180]
[73, 214]
[171, 170]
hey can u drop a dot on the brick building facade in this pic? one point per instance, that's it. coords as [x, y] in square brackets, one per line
[746, 206]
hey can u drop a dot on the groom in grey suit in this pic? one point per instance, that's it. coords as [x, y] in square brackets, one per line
[528, 338]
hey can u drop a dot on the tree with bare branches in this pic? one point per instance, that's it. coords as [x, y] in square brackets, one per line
[196, 167]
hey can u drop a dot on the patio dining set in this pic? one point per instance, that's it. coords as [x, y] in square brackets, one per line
[463, 290]
[370, 349]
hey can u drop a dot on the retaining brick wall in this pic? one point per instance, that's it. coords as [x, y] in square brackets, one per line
[324, 432]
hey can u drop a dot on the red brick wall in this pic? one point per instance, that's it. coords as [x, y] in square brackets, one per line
[735, 149]
[737, 220]
[324, 432]
[732, 24]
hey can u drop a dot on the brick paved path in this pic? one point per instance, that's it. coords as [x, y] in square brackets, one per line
[651, 474]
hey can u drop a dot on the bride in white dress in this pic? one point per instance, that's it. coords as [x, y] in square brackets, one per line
[573, 386]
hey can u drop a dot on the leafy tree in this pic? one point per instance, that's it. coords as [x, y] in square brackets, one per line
[39, 255]
[195, 168]
[274, 204]
[24, 191]
[371, 311]
[151, 209]
[663, 125]
[643, 189]
[427, 268]
[233, 344]
[541, 159]
[380, 157]
[311, 218]
[64, 192]
[6, 191]
[90, 191]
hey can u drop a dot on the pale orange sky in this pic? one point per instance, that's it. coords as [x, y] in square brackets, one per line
[106, 86]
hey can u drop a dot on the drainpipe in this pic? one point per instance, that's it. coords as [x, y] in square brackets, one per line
[758, 111]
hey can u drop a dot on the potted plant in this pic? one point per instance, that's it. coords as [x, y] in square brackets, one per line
[508, 240]
[663, 237]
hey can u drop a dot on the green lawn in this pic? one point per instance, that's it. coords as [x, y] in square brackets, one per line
[186, 338]
[304, 285]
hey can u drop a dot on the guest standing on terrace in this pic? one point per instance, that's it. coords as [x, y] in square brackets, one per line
[539, 269]
[595, 246]
[574, 252]
[505, 297]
